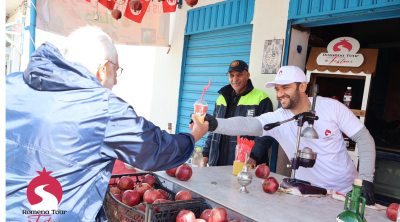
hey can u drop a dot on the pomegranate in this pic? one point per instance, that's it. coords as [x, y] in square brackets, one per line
[113, 181]
[151, 195]
[140, 218]
[183, 172]
[116, 14]
[172, 171]
[142, 208]
[270, 185]
[115, 190]
[262, 171]
[142, 188]
[148, 179]
[205, 215]
[130, 198]
[122, 211]
[118, 197]
[125, 183]
[391, 211]
[122, 192]
[200, 220]
[218, 214]
[185, 216]
[164, 194]
[135, 5]
[191, 3]
[157, 209]
[183, 195]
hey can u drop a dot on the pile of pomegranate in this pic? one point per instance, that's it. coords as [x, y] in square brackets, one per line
[218, 214]
[131, 194]
[183, 172]
[269, 185]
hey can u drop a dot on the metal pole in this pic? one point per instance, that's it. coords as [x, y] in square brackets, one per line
[296, 150]
[32, 28]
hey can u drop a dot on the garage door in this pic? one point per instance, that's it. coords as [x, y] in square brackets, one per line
[208, 55]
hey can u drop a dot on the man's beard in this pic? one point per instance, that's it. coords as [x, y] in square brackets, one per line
[292, 100]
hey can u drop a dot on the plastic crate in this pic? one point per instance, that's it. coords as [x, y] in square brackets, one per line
[119, 212]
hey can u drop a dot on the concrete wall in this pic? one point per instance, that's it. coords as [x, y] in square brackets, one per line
[270, 20]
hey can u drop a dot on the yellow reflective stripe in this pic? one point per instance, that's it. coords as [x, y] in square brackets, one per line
[252, 98]
[221, 101]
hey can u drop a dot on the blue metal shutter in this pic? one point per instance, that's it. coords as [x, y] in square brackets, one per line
[208, 56]
[311, 13]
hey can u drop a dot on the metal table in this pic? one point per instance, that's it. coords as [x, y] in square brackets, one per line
[219, 187]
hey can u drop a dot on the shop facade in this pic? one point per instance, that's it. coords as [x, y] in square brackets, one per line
[302, 25]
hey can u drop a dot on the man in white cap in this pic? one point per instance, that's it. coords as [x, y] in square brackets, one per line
[334, 168]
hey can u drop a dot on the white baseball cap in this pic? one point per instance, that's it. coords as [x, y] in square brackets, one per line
[287, 75]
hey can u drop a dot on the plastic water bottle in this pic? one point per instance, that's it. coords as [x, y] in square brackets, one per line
[347, 97]
[198, 158]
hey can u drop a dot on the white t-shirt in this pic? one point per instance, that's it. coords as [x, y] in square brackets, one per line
[334, 168]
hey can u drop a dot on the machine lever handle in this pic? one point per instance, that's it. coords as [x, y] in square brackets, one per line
[271, 126]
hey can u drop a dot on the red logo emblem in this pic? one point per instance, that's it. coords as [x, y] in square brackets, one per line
[44, 192]
[327, 132]
[342, 44]
[280, 73]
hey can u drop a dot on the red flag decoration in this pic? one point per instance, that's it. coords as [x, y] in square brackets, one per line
[169, 5]
[138, 15]
[107, 3]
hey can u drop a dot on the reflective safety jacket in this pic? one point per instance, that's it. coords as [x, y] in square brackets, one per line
[252, 103]
[59, 116]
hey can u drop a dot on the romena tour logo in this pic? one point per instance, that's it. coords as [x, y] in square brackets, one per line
[44, 194]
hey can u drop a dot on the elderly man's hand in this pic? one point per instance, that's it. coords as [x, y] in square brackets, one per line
[205, 160]
[252, 163]
[198, 129]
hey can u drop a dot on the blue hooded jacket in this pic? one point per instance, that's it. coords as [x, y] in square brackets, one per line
[60, 117]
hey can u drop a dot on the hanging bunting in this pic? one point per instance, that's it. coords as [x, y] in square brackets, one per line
[106, 3]
[169, 5]
[152, 31]
[138, 15]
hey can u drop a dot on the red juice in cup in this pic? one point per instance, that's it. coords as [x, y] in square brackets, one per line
[200, 110]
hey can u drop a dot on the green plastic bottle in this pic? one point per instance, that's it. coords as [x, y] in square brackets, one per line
[353, 214]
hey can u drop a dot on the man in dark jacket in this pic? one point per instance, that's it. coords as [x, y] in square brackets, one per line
[62, 116]
[239, 98]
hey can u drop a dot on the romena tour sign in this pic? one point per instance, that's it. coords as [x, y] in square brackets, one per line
[44, 194]
[341, 52]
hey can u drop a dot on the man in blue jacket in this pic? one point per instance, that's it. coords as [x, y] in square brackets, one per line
[62, 116]
[239, 98]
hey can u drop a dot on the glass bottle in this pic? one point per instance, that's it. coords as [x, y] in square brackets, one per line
[347, 97]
